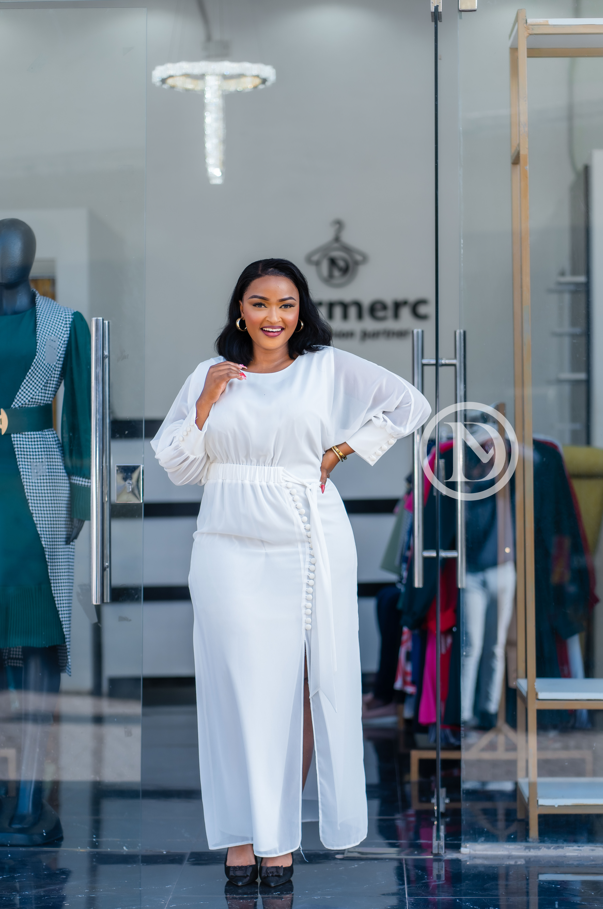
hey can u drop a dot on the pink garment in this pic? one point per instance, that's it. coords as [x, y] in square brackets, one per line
[427, 707]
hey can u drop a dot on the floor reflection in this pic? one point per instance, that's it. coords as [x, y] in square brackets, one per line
[32, 878]
[51, 879]
[141, 843]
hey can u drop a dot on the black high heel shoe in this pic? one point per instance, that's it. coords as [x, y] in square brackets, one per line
[241, 875]
[276, 875]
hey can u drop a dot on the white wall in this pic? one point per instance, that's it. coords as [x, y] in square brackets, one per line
[72, 95]
[345, 132]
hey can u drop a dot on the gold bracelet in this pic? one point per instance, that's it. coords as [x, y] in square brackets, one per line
[339, 453]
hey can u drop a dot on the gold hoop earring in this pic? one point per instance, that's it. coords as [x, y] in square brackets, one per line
[299, 328]
[238, 324]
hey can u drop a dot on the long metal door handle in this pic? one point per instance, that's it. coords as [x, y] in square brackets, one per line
[100, 459]
[461, 397]
[417, 473]
[418, 362]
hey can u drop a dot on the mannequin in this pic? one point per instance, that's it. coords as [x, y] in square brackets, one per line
[41, 345]
[17, 254]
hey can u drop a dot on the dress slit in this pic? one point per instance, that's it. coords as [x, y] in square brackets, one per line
[314, 760]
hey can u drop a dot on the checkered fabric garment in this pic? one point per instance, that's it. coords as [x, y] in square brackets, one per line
[40, 460]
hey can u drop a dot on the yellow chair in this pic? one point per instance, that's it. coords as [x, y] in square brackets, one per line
[585, 467]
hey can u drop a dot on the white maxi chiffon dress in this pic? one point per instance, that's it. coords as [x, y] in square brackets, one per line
[273, 578]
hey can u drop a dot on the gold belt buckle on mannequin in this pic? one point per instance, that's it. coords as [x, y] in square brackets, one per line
[3, 421]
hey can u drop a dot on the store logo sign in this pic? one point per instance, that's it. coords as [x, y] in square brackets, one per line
[336, 262]
[486, 443]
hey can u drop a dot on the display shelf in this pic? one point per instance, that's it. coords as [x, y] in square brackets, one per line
[566, 795]
[565, 694]
[561, 37]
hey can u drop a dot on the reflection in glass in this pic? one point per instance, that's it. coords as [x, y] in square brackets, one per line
[67, 749]
[530, 766]
[28, 695]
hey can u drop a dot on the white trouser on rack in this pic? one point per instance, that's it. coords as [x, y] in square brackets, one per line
[494, 585]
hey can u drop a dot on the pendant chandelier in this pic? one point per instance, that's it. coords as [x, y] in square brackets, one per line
[214, 78]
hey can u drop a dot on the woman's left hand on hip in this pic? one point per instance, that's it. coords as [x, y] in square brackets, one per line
[329, 461]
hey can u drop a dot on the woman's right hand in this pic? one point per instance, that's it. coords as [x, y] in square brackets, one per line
[216, 380]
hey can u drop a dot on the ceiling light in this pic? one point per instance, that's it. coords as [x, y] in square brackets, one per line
[214, 78]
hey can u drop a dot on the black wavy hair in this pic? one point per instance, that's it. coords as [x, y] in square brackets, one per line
[237, 346]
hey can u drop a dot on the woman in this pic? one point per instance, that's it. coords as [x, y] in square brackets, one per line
[273, 568]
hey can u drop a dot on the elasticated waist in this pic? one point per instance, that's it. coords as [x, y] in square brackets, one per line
[25, 419]
[245, 473]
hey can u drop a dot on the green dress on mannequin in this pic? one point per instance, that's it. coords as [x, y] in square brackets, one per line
[28, 613]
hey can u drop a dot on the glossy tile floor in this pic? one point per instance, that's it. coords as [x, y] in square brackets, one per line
[122, 851]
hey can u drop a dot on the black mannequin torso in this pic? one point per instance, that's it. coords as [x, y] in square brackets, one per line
[39, 679]
[17, 254]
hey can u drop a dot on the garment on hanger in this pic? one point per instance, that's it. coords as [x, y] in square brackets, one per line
[418, 603]
[563, 591]
[563, 574]
[398, 538]
[489, 594]
[390, 630]
[488, 598]
[427, 704]
[44, 482]
[448, 606]
[593, 599]
[403, 681]
[565, 552]
[387, 607]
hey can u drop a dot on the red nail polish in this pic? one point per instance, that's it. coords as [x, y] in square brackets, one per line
[322, 486]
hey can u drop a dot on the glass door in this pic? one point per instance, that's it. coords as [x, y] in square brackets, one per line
[531, 688]
[72, 172]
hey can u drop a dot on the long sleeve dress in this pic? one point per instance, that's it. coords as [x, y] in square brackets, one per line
[44, 482]
[273, 578]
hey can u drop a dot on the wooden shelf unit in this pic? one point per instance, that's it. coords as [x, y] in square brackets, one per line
[535, 38]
